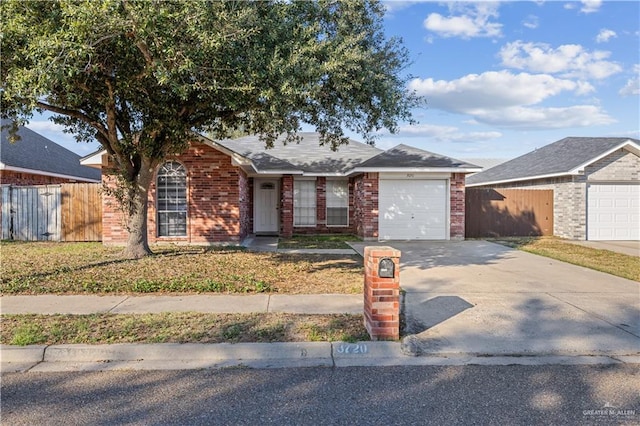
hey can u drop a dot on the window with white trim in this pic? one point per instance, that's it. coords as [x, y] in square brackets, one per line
[337, 203]
[304, 202]
[171, 191]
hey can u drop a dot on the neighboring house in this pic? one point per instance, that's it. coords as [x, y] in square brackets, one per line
[36, 160]
[596, 184]
[219, 191]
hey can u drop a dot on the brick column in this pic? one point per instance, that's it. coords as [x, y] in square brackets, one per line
[381, 295]
[321, 202]
[286, 207]
[457, 207]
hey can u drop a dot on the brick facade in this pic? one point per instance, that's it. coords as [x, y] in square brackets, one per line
[10, 177]
[570, 192]
[218, 195]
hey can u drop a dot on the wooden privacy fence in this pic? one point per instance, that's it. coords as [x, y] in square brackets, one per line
[508, 212]
[67, 212]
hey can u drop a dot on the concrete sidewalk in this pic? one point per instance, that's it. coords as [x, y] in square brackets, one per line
[214, 304]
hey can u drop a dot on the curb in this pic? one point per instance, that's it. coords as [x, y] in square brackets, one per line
[176, 356]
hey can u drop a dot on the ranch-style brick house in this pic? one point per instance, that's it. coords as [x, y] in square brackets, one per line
[223, 191]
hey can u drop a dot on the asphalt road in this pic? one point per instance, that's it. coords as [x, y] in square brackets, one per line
[465, 395]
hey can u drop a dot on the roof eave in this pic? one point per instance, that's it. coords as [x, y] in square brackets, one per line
[280, 172]
[45, 173]
[521, 179]
[416, 170]
[93, 160]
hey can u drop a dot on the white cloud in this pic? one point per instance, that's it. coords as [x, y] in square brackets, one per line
[472, 20]
[509, 100]
[569, 60]
[55, 132]
[46, 126]
[445, 133]
[392, 6]
[632, 88]
[590, 6]
[526, 118]
[604, 35]
[493, 90]
[531, 22]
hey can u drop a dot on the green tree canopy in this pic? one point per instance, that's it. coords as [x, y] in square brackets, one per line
[139, 76]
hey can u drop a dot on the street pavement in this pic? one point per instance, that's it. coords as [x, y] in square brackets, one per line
[469, 302]
[426, 395]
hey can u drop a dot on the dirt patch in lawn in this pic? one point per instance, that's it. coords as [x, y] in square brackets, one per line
[80, 268]
[179, 328]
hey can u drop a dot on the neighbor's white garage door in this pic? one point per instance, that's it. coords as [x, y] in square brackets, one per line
[613, 212]
[413, 209]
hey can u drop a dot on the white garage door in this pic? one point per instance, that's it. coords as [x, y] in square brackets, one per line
[413, 209]
[613, 211]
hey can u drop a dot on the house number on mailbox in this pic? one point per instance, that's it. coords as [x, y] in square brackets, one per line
[386, 268]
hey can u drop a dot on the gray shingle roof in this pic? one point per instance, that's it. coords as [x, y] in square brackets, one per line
[411, 157]
[307, 156]
[558, 158]
[35, 152]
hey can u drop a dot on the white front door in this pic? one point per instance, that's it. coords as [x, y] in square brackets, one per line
[265, 206]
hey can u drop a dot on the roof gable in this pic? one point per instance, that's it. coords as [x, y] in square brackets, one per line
[35, 153]
[564, 157]
[307, 156]
[404, 156]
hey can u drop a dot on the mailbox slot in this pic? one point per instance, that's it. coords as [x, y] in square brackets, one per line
[386, 268]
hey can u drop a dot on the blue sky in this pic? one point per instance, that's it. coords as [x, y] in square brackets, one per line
[503, 78]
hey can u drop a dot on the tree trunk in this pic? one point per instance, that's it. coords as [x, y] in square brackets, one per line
[137, 244]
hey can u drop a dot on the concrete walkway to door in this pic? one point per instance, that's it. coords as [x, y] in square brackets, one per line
[481, 298]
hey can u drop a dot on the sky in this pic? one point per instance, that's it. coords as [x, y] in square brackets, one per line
[500, 79]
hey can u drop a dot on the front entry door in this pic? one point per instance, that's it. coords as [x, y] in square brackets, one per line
[265, 208]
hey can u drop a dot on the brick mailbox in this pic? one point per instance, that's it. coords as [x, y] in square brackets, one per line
[382, 292]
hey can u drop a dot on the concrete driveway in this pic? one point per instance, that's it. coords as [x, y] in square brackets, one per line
[481, 298]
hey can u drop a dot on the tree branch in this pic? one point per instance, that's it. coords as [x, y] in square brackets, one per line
[75, 114]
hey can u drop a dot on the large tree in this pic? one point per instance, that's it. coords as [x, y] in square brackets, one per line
[140, 76]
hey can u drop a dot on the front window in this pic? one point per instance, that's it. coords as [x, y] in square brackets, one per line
[304, 203]
[172, 200]
[337, 203]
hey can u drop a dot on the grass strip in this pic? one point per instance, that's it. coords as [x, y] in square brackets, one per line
[179, 328]
[618, 264]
